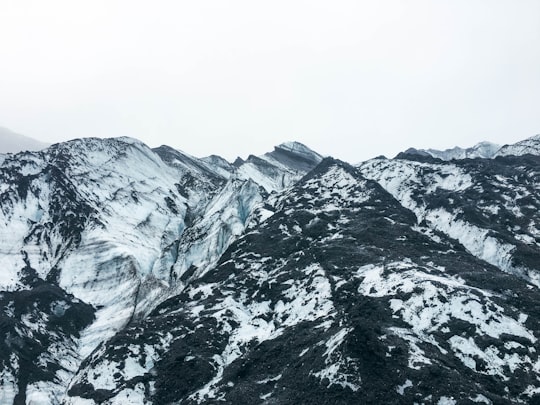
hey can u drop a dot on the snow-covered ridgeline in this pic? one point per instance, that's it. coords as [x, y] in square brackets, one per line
[528, 146]
[482, 150]
[136, 203]
[404, 179]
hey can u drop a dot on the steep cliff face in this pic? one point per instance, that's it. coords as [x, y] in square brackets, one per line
[132, 275]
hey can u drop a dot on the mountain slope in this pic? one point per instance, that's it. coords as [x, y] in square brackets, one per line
[336, 298]
[105, 223]
[11, 142]
[529, 146]
[490, 206]
[138, 275]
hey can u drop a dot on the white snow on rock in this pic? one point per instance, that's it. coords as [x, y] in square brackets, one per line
[306, 300]
[335, 362]
[402, 178]
[8, 387]
[136, 220]
[528, 146]
[447, 401]
[224, 220]
[401, 389]
[484, 150]
[433, 301]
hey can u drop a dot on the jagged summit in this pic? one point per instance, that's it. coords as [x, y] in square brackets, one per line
[278, 169]
[297, 148]
[217, 160]
[91, 141]
[485, 150]
[295, 155]
[530, 146]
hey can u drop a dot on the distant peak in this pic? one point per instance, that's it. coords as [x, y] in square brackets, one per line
[529, 146]
[294, 155]
[485, 143]
[11, 142]
[218, 160]
[103, 141]
[485, 150]
[297, 148]
[238, 162]
[130, 140]
[293, 146]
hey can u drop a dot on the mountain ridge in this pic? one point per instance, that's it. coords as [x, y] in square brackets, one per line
[11, 142]
[485, 150]
[139, 275]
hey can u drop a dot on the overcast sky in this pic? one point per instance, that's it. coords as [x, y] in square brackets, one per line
[351, 79]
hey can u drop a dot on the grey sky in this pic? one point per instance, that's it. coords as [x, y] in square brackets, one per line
[352, 79]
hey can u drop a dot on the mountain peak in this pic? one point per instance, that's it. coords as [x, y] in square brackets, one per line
[529, 146]
[294, 146]
[11, 142]
[484, 150]
[297, 148]
[294, 155]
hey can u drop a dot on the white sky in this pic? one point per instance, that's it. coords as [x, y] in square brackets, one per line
[351, 79]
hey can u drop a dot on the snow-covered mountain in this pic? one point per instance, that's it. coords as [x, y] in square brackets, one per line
[149, 276]
[11, 142]
[483, 150]
[116, 225]
[528, 146]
